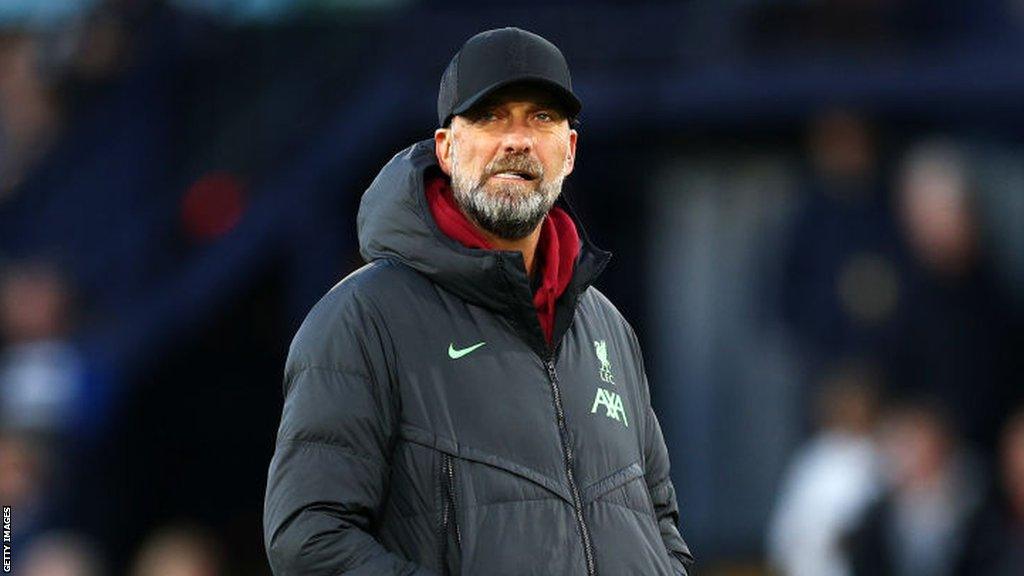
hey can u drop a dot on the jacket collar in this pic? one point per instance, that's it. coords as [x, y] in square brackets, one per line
[395, 222]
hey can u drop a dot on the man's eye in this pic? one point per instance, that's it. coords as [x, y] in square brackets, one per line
[544, 117]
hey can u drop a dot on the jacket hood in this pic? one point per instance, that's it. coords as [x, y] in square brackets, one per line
[395, 222]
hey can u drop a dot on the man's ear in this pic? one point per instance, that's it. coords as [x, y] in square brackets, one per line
[443, 149]
[570, 159]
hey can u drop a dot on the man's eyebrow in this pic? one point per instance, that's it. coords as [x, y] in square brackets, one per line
[549, 104]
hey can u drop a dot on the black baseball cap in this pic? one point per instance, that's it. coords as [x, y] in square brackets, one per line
[497, 58]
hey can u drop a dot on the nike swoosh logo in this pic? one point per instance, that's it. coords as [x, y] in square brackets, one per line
[456, 354]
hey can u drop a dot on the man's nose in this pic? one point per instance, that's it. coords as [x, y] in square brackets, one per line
[517, 138]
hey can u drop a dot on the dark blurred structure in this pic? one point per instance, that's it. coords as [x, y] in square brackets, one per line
[763, 170]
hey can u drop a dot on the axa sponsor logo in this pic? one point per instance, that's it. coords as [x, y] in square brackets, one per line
[612, 403]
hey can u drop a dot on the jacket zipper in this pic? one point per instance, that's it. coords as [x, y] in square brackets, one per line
[577, 502]
[448, 520]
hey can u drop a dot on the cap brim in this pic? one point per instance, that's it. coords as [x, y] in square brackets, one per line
[568, 99]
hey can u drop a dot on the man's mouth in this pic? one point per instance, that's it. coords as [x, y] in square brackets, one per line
[514, 175]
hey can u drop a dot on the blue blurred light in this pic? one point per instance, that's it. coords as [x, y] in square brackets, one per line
[271, 10]
[35, 14]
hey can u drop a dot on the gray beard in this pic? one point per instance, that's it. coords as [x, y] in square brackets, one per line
[506, 210]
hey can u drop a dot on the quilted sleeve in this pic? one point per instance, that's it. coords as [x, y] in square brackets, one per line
[328, 476]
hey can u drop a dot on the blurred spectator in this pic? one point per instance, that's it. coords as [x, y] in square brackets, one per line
[936, 208]
[100, 200]
[179, 551]
[43, 382]
[958, 332]
[26, 465]
[917, 528]
[61, 554]
[902, 280]
[48, 405]
[995, 546]
[830, 480]
[841, 284]
[29, 114]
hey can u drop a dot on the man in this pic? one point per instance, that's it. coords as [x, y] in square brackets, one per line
[467, 403]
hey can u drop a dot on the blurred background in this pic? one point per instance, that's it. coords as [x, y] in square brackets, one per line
[816, 206]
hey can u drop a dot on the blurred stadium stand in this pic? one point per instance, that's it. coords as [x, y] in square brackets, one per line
[192, 168]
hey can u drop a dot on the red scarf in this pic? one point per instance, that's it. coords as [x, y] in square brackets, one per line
[556, 252]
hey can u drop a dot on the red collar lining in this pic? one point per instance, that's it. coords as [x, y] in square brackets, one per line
[556, 254]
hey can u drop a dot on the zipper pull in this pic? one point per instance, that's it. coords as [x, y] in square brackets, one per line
[451, 497]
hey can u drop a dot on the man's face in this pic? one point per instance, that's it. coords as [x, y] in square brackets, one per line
[507, 158]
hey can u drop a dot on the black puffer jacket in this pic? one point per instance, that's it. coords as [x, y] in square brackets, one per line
[407, 447]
